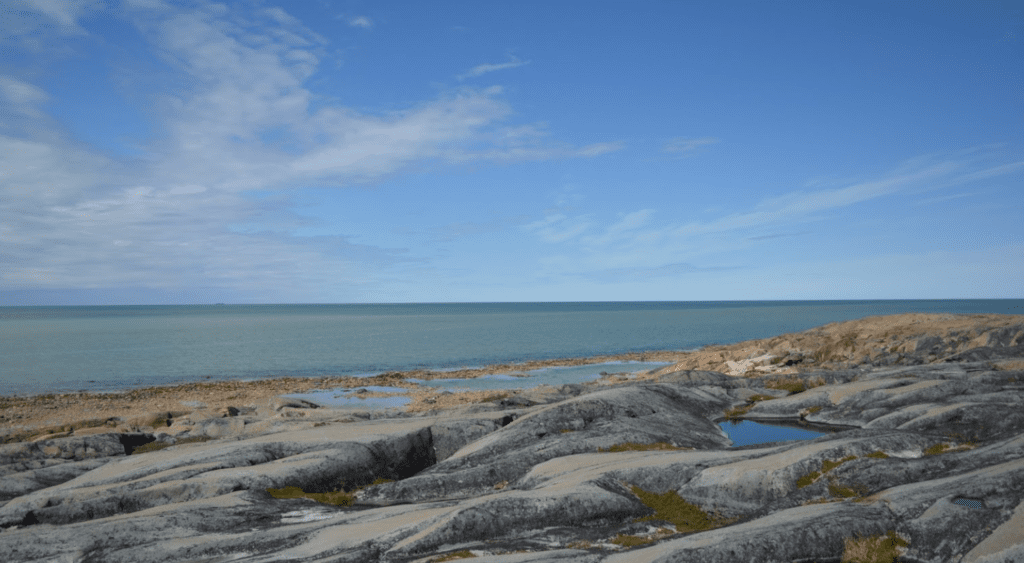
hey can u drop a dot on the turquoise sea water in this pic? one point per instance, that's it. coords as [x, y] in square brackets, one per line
[54, 349]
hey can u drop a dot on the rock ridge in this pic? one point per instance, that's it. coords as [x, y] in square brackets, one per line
[928, 452]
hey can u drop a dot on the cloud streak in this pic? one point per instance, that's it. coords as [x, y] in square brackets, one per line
[361, 21]
[482, 69]
[207, 204]
[635, 246]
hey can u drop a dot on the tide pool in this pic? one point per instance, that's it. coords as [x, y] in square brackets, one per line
[354, 399]
[748, 432]
[554, 376]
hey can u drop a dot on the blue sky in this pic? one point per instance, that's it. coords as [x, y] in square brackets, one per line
[330, 152]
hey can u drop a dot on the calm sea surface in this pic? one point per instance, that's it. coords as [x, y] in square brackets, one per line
[50, 349]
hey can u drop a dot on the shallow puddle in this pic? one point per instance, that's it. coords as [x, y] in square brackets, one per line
[969, 502]
[554, 376]
[353, 399]
[748, 432]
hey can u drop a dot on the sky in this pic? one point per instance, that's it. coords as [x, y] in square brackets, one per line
[252, 151]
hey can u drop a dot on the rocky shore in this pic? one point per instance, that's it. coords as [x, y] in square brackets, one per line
[924, 461]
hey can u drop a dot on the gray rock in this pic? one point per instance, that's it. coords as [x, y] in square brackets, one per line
[640, 413]
[931, 451]
[290, 403]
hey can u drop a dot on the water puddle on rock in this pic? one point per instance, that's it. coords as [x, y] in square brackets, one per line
[969, 502]
[554, 376]
[748, 432]
[353, 398]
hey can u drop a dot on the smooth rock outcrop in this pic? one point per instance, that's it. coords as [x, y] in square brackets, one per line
[930, 451]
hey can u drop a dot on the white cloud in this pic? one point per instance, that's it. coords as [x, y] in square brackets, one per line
[64, 12]
[632, 247]
[485, 68]
[281, 17]
[361, 21]
[21, 97]
[184, 215]
[795, 206]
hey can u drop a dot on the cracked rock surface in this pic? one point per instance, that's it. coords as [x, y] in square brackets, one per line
[929, 448]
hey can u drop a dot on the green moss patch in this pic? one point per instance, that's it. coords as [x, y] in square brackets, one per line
[873, 549]
[842, 491]
[878, 455]
[336, 498]
[794, 386]
[630, 541]
[464, 554]
[636, 447]
[670, 507]
[826, 466]
[154, 446]
[736, 413]
[829, 465]
[808, 479]
[936, 449]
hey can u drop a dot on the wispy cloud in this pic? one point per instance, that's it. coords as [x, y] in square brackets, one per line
[360, 21]
[794, 206]
[773, 236]
[558, 228]
[65, 13]
[21, 97]
[485, 68]
[682, 146]
[184, 215]
[634, 245]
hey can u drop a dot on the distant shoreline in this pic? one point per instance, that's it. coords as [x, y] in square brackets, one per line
[833, 346]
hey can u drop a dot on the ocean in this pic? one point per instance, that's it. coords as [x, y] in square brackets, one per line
[108, 348]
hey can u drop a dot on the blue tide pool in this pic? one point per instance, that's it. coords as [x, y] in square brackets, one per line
[748, 432]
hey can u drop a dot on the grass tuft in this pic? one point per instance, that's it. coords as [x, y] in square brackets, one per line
[842, 491]
[878, 455]
[874, 549]
[336, 498]
[636, 447]
[464, 554]
[829, 465]
[670, 507]
[826, 466]
[155, 446]
[808, 479]
[630, 541]
[794, 384]
[736, 413]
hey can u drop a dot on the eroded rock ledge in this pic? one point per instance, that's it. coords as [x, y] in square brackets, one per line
[929, 466]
